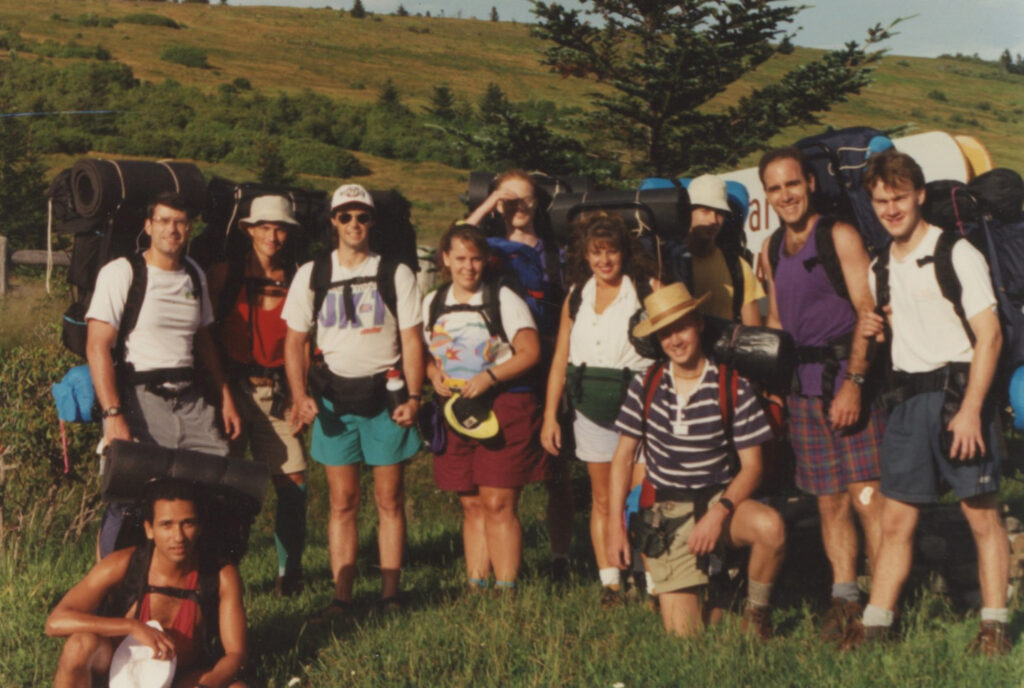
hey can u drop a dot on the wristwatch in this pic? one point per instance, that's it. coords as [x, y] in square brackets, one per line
[112, 411]
[856, 378]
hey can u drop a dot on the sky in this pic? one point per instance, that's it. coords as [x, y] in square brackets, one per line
[986, 27]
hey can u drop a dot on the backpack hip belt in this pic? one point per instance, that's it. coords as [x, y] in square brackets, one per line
[168, 383]
[908, 385]
[830, 355]
[362, 396]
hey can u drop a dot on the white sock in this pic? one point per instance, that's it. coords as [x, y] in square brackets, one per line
[995, 614]
[876, 616]
[650, 583]
[759, 594]
[609, 576]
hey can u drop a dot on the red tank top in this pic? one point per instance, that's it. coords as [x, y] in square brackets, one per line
[185, 620]
[267, 331]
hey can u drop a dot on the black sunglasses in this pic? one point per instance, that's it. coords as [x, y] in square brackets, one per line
[362, 218]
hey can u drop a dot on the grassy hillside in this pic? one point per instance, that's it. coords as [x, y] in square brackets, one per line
[329, 52]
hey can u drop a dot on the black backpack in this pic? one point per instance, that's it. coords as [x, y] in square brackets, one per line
[990, 225]
[489, 308]
[320, 283]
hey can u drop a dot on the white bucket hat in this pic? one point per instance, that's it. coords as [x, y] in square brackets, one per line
[134, 666]
[709, 191]
[347, 194]
[270, 209]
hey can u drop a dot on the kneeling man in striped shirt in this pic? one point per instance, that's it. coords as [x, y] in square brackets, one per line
[674, 419]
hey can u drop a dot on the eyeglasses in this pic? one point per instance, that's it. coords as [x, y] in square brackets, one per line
[169, 221]
[361, 218]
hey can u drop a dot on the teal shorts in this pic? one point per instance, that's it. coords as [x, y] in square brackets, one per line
[350, 439]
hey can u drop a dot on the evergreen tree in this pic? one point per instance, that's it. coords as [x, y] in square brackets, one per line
[401, 11]
[494, 13]
[388, 96]
[442, 103]
[665, 61]
[21, 187]
[358, 11]
[270, 164]
[492, 103]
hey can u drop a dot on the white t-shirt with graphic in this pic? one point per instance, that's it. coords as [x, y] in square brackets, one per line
[369, 343]
[460, 342]
[171, 313]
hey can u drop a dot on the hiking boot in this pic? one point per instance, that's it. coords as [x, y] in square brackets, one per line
[611, 596]
[389, 605]
[335, 611]
[841, 613]
[758, 621]
[289, 584]
[991, 640]
[857, 635]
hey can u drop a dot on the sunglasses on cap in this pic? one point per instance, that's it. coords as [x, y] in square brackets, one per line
[361, 218]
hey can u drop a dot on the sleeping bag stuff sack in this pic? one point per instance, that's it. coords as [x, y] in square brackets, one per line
[763, 355]
[101, 186]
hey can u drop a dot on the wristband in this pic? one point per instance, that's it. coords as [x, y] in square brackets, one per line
[417, 397]
[491, 374]
[112, 411]
[856, 378]
[729, 506]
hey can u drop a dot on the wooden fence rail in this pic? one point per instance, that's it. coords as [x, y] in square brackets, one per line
[25, 257]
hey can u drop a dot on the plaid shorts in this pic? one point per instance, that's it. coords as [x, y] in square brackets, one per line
[827, 461]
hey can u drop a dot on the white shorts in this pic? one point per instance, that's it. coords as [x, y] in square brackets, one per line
[594, 443]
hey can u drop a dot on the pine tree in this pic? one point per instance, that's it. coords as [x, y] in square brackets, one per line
[388, 95]
[494, 13]
[666, 61]
[442, 103]
[358, 11]
[401, 11]
[492, 103]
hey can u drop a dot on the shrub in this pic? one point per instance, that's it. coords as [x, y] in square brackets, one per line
[313, 157]
[93, 19]
[150, 19]
[187, 55]
[242, 84]
[938, 95]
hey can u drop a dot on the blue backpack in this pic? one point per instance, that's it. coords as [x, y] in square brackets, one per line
[538, 282]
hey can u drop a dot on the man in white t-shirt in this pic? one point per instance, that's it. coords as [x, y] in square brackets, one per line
[152, 394]
[367, 322]
[944, 430]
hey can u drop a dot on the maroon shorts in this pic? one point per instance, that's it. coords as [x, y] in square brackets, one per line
[513, 459]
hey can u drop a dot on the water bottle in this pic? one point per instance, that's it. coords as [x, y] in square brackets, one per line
[395, 390]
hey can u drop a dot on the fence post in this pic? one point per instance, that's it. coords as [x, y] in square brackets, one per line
[3, 265]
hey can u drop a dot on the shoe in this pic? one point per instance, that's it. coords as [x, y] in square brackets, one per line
[991, 640]
[336, 610]
[389, 605]
[839, 615]
[857, 635]
[757, 620]
[611, 596]
[289, 584]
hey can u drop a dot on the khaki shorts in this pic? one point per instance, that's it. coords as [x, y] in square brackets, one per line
[676, 569]
[270, 439]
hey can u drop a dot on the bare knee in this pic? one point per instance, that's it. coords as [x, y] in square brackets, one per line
[834, 507]
[898, 522]
[344, 504]
[983, 518]
[498, 506]
[390, 503]
[599, 504]
[82, 650]
[770, 529]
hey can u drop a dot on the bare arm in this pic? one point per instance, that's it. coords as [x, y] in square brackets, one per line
[773, 306]
[750, 314]
[76, 612]
[968, 433]
[412, 369]
[551, 432]
[232, 631]
[100, 339]
[617, 544]
[296, 367]
[210, 359]
[489, 205]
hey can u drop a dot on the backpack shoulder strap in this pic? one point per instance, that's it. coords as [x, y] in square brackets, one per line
[492, 309]
[735, 266]
[575, 301]
[825, 244]
[949, 282]
[774, 246]
[652, 378]
[209, 602]
[320, 280]
[728, 393]
[133, 302]
[233, 283]
[133, 585]
[437, 305]
[386, 270]
[881, 270]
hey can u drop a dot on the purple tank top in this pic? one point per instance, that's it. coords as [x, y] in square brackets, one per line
[810, 310]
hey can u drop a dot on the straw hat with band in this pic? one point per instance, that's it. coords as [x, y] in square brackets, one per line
[277, 209]
[666, 306]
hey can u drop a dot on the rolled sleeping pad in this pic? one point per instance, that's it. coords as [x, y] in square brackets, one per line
[763, 355]
[99, 186]
[1017, 397]
[736, 193]
[130, 465]
[664, 212]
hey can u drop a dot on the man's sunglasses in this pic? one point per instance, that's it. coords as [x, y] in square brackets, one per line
[361, 218]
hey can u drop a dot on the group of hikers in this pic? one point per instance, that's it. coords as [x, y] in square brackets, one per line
[333, 343]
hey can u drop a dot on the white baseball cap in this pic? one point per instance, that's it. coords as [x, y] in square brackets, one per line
[134, 666]
[348, 194]
[709, 191]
